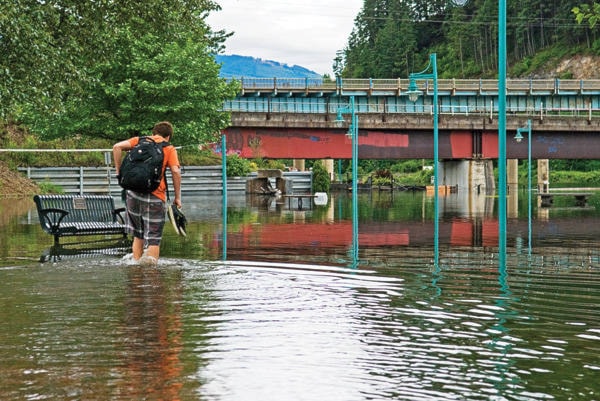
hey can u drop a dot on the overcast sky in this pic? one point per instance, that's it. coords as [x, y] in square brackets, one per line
[303, 32]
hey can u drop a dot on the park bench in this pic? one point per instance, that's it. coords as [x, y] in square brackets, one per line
[72, 215]
[100, 248]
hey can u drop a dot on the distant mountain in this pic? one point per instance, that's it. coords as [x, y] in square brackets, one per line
[234, 66]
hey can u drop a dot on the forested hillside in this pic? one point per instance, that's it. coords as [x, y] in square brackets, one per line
[394, 38]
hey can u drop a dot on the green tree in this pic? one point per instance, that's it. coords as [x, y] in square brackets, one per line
[146, 81]
[61, 64]
[391, 33]
[26, 44]
[395, 44]
[589, 13]
[458, 52]
[360, 52]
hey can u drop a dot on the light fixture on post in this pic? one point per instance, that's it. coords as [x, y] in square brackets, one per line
[519, 138]
[339, 121]
[413, 91]
[353, 133]
[430, 72]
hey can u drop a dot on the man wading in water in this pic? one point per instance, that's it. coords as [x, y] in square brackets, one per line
[145, 217]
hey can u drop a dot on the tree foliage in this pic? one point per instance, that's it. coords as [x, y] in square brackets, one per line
[587, 12]
[111, 69]
[321, 180]
[392, 38]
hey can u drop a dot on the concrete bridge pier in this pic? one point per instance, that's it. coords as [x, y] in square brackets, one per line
[299, 164]
[328, 163]
[543, 175]
[512, 181]
[476, 176]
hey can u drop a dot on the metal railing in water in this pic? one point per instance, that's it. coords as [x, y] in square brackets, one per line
[197, 180]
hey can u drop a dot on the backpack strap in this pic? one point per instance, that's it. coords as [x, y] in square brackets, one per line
[164, 145]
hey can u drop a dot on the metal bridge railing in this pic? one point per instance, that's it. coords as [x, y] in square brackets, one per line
[400, 85]
[389, 84]
[490, 109]
[322, 106]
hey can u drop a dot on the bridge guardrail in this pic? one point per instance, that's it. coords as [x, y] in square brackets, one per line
[469, 86]
[525, 97]
[454, 86]
[390, 84]
[590, 84]
[323, 106]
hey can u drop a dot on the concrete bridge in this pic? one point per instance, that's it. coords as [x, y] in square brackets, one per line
[294, 119]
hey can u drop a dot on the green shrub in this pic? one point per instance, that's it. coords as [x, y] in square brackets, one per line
[192, 156]
[273, 164]
[575, 178]
[382, 181]
[407, 166]
[421, 177]
[47, 187]
[321, 180]
[237, 166]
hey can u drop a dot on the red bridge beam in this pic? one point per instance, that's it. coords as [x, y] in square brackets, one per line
[322, 143]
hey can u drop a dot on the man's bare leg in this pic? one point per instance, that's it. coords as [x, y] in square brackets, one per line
[137, 248]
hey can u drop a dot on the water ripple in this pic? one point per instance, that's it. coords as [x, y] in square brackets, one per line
[240, 330]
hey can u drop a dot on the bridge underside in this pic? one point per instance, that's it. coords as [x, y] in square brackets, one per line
[322, 143]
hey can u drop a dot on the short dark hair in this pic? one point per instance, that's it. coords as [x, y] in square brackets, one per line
[163, 128]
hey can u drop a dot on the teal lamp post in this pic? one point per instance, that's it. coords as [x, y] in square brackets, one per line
[353, 133]
[430, 72]
[519, 138]
[502, 132]
[224, 205]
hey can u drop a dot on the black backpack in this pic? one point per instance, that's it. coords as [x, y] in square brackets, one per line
[142, 167]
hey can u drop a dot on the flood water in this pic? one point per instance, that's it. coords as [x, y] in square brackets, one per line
[285, 313]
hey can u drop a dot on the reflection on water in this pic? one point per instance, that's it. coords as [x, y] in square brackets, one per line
[152, 335]
[285, 318]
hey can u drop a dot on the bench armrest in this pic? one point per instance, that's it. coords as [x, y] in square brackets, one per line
[52, 218]
[117, 213]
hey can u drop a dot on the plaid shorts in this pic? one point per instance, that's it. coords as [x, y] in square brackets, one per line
[145, 217]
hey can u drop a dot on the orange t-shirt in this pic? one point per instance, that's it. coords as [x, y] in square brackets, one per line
[170, 160]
